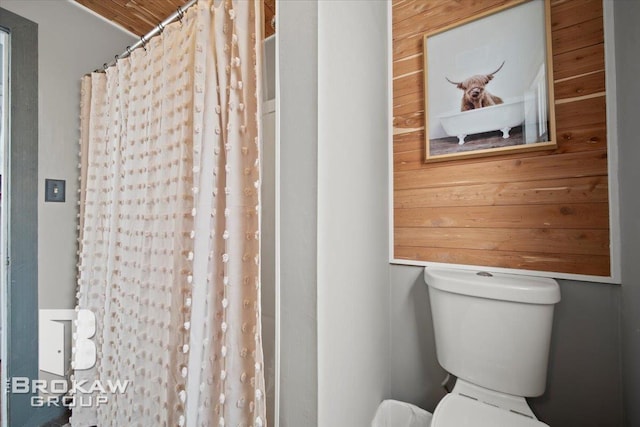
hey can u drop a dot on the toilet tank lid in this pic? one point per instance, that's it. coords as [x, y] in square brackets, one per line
[500, 286]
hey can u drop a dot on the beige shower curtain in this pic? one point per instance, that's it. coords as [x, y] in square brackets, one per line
[169, 226]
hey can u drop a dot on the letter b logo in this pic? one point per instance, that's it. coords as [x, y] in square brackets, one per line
[52, 352]
[85, 348]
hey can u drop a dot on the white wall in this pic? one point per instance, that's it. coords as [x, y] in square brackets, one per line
[71, 42]
[353, 270]
[333, 215]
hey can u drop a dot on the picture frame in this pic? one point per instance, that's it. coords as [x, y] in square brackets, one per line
[488, 84]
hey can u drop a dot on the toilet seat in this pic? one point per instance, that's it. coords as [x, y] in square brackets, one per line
[455, 410]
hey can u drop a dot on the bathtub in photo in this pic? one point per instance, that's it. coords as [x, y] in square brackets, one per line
[502, 117]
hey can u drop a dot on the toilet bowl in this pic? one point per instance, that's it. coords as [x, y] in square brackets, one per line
[471, 406]
[466, 406]
[392, 413]
[492, 331]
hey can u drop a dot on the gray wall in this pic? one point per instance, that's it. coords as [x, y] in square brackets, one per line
[71, 42]
[22, 289]
[627, 34]
[268, 224]
[415, 372]
[298, 117]
[584, 386]
[268, 260]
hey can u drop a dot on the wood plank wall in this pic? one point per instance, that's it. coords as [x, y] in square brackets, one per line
[545, 211]
[140, 17]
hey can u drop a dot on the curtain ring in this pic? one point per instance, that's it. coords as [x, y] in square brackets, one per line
[161, 27]
[128, 50]
[180, 15]
[144, 43]
[116, 58]
[105, 66]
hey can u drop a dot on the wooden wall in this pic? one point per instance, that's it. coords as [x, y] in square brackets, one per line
[140, 17]
[546, 210]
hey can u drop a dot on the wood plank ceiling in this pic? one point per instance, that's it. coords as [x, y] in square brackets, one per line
[140, 16]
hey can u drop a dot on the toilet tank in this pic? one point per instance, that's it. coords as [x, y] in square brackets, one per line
[493, 329]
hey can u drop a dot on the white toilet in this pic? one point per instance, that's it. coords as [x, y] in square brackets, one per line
[492, 331]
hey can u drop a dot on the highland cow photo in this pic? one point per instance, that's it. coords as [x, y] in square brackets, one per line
[487, 85]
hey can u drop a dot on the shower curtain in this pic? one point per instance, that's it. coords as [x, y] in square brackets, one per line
[169, 232]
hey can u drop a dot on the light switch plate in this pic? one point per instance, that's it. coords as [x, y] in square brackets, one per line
[54, 190]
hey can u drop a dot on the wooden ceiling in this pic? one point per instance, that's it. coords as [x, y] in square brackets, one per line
[140, 16]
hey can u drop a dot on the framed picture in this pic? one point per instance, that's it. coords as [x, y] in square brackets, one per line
[488, 84]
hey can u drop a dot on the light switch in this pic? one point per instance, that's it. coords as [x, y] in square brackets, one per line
[54, 190]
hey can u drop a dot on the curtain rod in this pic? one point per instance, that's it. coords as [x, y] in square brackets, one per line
[177, 15]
